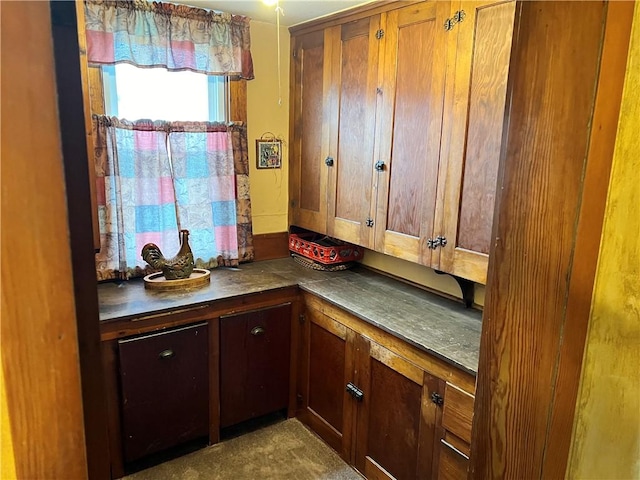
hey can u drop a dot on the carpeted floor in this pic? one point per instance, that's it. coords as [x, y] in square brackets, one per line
[283, 451]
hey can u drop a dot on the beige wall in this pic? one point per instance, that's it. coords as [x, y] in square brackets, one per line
[419, 274]
[606, 436]
[269, 187]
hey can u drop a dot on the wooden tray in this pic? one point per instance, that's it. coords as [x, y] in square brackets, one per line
[199, 278]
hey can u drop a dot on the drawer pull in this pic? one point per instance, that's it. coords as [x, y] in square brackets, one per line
[257, 331]
[355, 392]
[448, 445]
[166, 354]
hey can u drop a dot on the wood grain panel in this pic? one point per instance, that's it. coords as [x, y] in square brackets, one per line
[540, 184]
[326, 375]
[394, 421]
[487, 95]
[311, 105]
[39, 334]
[254, 368]
[476, 109]
[86, 102]
[165, 400]
[409, 127]
[268, 246]
[599, 160]
[110, 368]
[309, 130]
[453, 463]
[430, 427]
[353, 160]
[458, 412]
[74, 114]
[416, 130]
[237, 100]
[352, 130]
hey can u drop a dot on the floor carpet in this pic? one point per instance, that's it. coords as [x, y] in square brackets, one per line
[283, 451]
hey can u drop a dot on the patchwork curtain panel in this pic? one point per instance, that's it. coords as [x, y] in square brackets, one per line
[177, 37]
[156, 178]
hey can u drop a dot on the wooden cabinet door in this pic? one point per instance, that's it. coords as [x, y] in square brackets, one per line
[330, 362]
[453, 462]
[354, 66]
[414, 63]
[254, 363]
[310, 77]
[164, 379]
[474, 121]
[397, 421]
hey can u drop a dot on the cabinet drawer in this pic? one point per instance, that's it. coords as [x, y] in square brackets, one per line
[165, 389]
[458, 412]
[453, 463]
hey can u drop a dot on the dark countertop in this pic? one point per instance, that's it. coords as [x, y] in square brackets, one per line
[434, 324]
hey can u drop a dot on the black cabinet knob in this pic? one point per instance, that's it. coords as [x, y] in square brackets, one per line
[328, 161]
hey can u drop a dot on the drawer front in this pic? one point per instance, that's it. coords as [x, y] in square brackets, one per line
[453, 464]
[458, 412]
[255, 352]
[165, 389]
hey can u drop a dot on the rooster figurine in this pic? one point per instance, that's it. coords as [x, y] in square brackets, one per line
[180, 266]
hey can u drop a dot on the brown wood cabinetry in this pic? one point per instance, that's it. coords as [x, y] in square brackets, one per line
[164, 379]
[354, 68]
[399, 128]
[175, 376]
[473, 121]
[254, 363]
[381, 410]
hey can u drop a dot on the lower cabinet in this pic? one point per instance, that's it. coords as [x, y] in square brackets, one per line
[181, 376]
[165, 389]
[381, 411]
[254, 363]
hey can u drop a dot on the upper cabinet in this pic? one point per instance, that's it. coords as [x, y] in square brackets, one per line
[310, 80]
[397, 124]
[412, 89]
[472, 136]
[354, 80]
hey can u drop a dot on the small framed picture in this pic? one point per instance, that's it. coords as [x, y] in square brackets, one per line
[268, 153]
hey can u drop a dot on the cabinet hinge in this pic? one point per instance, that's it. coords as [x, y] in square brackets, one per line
[458, 17]
[369, 222]
[380, 34]
[439, 241]
[301, 318]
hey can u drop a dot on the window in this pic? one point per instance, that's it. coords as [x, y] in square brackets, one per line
[132, 93]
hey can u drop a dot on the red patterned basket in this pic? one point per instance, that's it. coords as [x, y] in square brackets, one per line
[323, 249]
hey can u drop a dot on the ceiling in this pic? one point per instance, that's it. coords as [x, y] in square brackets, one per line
[295, 11]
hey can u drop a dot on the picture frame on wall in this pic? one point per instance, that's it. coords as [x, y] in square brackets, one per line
[268, 153]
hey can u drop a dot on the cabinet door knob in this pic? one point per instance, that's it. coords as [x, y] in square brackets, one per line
[328, 161]
[168, 353]
[257, 331]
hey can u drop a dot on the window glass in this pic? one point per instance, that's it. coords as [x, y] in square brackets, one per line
[133, 93]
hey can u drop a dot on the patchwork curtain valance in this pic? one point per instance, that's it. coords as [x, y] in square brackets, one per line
[176, 37]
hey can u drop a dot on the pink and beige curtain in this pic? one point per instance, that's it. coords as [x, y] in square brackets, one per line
[176, 37]
[156, 178]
